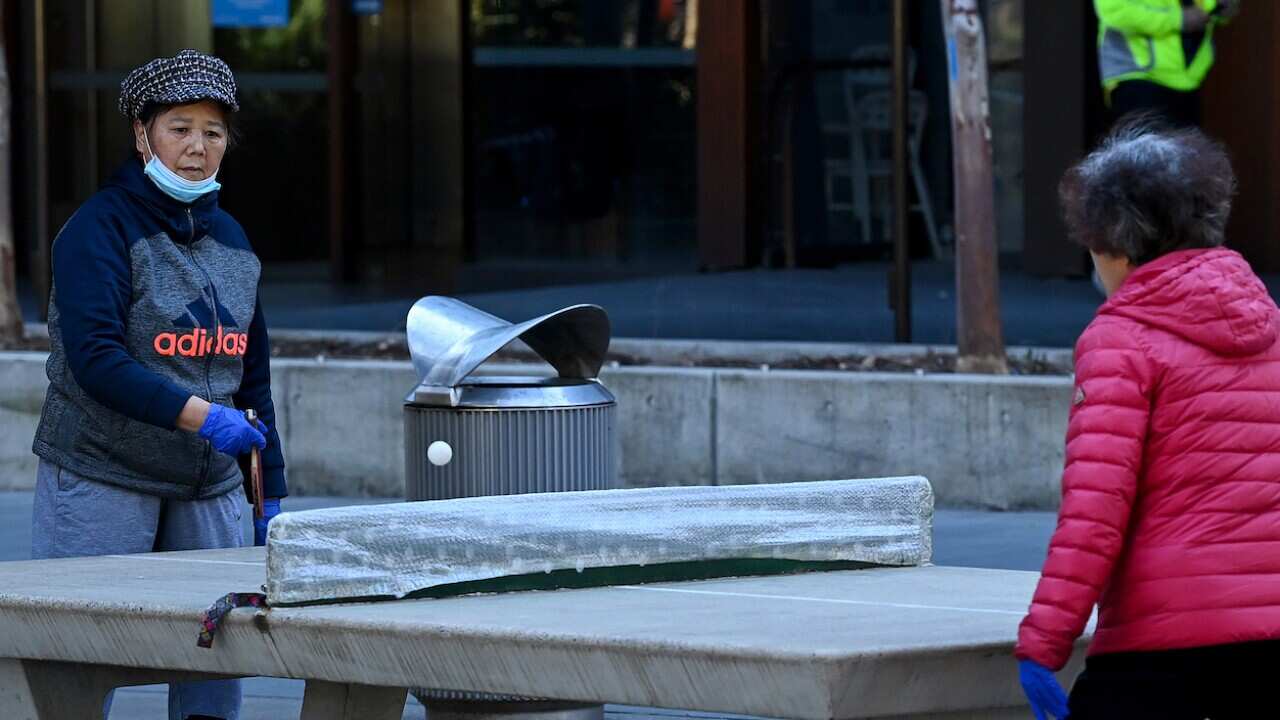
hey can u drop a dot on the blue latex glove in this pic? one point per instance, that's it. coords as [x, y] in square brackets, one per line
[1042, 689]
[270, 509]
[230, 433]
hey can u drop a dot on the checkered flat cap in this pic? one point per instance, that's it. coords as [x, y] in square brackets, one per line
[190, 76]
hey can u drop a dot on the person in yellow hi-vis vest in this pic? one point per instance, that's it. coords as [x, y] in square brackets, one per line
[1154, 54]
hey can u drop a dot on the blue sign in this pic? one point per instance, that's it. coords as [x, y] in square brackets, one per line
[366, 7]
[250, 13]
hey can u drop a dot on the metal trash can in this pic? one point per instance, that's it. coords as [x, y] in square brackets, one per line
[468, 435]
[507, 435]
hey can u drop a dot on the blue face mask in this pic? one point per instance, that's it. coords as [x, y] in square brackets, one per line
[173, 184]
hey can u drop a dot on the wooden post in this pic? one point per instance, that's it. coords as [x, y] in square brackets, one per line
[36, 104]
[728, 77]
[1243, 114]
[343, 192]
[1060, 86]
[439, 181]
[978, 328]
[901, 295]
[10, 312]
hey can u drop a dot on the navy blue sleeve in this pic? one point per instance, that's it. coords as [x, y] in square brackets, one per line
[255, 392]
[93, 286]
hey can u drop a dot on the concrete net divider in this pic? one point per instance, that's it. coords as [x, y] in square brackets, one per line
[402, 550]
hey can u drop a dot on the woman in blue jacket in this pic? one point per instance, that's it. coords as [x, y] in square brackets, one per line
[158, 345]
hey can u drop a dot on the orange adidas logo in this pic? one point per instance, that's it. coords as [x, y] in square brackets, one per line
[200, 343]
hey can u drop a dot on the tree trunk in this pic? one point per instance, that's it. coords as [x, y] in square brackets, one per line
[978, 329]
[10, 313]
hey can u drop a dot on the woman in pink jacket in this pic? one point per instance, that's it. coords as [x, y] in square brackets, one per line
[1170, 519]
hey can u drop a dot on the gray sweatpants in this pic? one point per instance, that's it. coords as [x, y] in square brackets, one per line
[75, 517]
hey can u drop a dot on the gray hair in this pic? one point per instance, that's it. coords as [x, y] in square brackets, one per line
[1148, 191]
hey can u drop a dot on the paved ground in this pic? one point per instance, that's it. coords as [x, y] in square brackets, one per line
[846, 304]
[1014, 541]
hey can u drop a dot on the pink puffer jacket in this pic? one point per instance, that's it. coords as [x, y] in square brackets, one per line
[1170, 518]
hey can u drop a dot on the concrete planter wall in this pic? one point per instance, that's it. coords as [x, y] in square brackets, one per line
[982, 441]
[22, 386]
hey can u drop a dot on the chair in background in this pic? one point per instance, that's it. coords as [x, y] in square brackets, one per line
[875, 120]
[866, 165]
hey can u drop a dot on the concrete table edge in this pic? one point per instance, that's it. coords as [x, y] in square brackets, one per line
[281, 643]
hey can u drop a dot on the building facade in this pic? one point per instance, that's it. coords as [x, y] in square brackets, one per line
[465, 145]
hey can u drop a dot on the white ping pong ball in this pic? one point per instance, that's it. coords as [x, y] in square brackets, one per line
[439, 453]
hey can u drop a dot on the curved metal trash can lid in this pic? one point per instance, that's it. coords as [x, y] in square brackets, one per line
[449, 339]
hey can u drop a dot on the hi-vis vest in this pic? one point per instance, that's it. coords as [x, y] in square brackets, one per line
[1143, 40]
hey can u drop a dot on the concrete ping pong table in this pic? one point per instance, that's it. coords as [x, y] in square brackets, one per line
[923, 642]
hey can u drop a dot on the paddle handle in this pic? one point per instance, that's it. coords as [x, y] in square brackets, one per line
[255, 468]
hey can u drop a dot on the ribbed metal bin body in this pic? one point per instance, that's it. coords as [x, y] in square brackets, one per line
[510, 451]
[508, 435]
